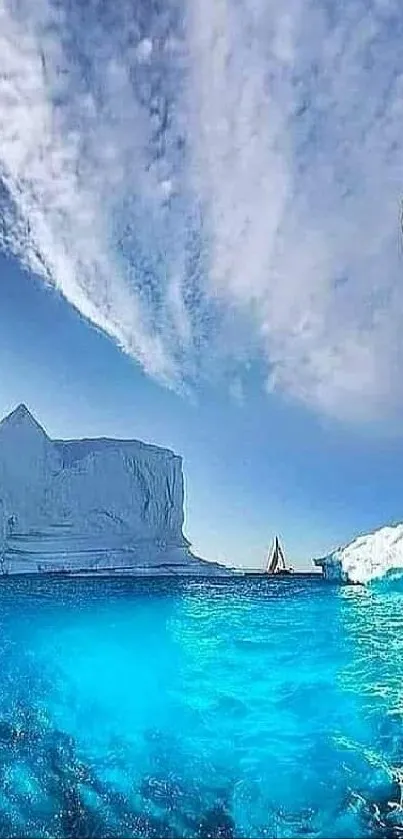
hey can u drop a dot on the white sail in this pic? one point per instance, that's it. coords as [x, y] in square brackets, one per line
[276, 560]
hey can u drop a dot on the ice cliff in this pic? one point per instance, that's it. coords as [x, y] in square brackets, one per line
[366, 558]
[89, 504]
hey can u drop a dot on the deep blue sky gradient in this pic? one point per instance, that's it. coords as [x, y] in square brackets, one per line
[252, 469]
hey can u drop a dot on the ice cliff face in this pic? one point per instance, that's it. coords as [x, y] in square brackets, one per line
[87, 503]
[366, 558]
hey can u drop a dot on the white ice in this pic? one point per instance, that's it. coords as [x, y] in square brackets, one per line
[366, 558]
[89, 504]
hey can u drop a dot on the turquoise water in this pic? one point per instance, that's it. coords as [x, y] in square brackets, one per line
[184, 708]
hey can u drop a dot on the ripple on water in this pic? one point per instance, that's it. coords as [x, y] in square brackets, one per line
[184, 708]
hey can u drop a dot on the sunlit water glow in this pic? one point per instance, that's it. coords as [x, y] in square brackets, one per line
[184, 708]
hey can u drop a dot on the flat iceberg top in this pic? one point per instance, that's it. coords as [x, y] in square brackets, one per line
[21, 419]
[368, 557]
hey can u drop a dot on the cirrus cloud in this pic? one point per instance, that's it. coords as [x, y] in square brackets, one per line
[172, 166]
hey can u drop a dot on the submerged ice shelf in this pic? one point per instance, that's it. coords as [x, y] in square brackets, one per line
[89, 505]
[366, 558]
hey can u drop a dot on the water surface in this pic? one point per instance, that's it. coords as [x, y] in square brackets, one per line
[182, 708]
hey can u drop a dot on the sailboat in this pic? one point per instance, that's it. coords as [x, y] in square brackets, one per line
[276, 563]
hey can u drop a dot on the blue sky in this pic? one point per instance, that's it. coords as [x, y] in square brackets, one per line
[201, 248]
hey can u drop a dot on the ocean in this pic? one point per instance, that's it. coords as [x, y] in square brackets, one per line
[168, 707]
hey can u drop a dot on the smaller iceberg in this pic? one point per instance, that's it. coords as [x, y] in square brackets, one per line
[367, 558]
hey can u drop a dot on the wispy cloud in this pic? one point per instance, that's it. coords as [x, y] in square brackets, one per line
[172, 168]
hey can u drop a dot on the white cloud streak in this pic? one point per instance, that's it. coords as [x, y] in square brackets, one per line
[298, 150]
[167, 169]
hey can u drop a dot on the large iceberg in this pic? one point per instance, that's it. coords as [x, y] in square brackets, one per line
[366, 558]
[89, 505]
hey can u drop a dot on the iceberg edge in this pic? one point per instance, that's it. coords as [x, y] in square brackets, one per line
[90, 506]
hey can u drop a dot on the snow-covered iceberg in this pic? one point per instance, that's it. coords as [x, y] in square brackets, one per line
[89, 505]
[366, 558]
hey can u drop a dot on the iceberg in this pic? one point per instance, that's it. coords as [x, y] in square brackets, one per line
[366, 558]
[91, 505]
